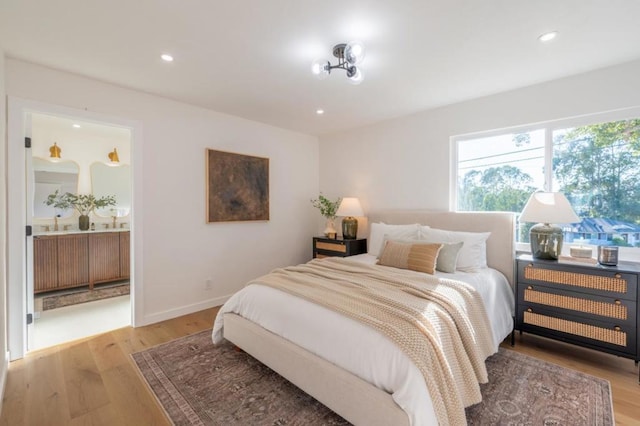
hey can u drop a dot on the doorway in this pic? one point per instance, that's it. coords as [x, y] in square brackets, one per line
[80, 275]
[21, 181]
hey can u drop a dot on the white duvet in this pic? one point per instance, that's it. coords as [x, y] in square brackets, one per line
[354, 346]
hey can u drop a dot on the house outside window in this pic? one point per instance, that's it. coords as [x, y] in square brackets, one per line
[594, 161]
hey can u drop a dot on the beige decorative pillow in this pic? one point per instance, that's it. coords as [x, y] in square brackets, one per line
[419, 257]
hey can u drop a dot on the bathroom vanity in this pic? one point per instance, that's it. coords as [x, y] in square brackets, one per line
[68, 259]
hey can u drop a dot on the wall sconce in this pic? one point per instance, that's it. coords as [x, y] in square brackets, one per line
[54, 152]
[113, 157]
[350, 207]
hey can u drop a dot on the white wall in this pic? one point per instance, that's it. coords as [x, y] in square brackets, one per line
[180, 250]
[405, 162]
[3, 233]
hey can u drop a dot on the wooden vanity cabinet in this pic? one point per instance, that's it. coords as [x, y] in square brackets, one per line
[45, 263]
[80, 259]
[125, 258]
[104, 257]
[73, 260]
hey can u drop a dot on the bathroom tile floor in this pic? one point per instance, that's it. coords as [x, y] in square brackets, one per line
[78, 321]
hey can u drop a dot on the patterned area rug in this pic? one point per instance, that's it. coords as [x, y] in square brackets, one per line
[198, 383]
[61, 300]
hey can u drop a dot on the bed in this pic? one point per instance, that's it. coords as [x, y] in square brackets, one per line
[313, 362]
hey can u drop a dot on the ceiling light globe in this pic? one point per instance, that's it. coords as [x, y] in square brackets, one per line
[321, 68]
[548, 36]
[354, 52]
[354, 75]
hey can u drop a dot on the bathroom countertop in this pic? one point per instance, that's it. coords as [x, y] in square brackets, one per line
[76, 231]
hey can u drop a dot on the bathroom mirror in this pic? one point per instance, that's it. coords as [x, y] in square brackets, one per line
[112, 180]
[48, 177]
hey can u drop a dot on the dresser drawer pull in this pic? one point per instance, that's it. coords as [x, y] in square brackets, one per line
[530, 265]
[617, 328]
[618, 302]
[529, 310]
[618, 275]
[529, 287]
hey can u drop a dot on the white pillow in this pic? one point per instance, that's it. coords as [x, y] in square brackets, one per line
[396, 232]
[473, 254]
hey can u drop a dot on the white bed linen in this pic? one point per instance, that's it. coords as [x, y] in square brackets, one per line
[356, 347]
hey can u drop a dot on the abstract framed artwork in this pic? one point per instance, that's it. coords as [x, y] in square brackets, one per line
[237, 187]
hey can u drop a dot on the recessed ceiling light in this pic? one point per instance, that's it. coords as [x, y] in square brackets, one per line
[548, 36]
[319, 111]
[167, 58]
[77, 126]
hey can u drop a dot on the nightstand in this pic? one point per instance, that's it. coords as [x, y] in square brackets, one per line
[324, 247]
[588, 305]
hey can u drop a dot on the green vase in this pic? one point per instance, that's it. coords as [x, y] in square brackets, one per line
[83, 222]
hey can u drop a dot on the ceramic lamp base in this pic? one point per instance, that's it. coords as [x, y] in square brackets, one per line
[349, 228]
[546, 241]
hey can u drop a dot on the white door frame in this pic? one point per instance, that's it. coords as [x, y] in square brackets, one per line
[17, 222]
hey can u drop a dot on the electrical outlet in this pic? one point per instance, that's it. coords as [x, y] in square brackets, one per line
[208, 284]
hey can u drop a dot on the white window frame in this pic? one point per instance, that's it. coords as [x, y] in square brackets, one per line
[626, 253]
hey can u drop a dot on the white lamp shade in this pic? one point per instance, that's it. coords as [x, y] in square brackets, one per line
[350, 206]
[548, 207]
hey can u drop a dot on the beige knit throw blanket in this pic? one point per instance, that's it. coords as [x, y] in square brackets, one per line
[440, 324]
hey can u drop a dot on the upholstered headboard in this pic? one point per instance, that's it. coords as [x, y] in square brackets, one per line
[500, 245]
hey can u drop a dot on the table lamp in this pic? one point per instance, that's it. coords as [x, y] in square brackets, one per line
[350, 207]
[547, 208]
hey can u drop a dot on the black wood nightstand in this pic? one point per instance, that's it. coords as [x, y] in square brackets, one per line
[588, 305]
[324, 247]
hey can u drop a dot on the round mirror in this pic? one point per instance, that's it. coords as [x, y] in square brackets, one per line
[49, 177]
[112, 180]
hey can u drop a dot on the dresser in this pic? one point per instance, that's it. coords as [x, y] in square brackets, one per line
[323, 247]
[588, 305]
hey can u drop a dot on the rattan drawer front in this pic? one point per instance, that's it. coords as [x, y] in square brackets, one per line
[611, 310]
[612, 336]
[617, 283]
[331, 246]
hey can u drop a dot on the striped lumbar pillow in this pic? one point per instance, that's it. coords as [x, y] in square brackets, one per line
[421, 257]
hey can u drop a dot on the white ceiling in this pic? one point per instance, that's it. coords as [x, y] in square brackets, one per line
[251, 58]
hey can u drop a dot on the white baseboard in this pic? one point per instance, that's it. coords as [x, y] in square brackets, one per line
[184, 310]
[3, 376]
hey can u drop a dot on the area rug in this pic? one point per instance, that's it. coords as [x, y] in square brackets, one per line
[61, 300]
[198, 383]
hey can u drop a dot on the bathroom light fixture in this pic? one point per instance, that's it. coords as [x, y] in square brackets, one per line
[113, 157]
[548, 36]
[166, 57]
[54, 152]
[349, 55]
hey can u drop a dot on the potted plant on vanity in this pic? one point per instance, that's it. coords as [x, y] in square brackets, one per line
[327, 209]
[83, 203]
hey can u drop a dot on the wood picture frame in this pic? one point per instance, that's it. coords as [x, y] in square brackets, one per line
[237, 187]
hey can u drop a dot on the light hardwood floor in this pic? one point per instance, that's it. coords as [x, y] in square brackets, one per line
[93, 381]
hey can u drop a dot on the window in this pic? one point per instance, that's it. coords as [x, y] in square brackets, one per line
[595, 162]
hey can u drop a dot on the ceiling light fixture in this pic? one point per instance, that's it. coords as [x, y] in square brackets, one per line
[319, 111]
[76, 126]
[349, 55]
[548, 36]
[167, 58]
